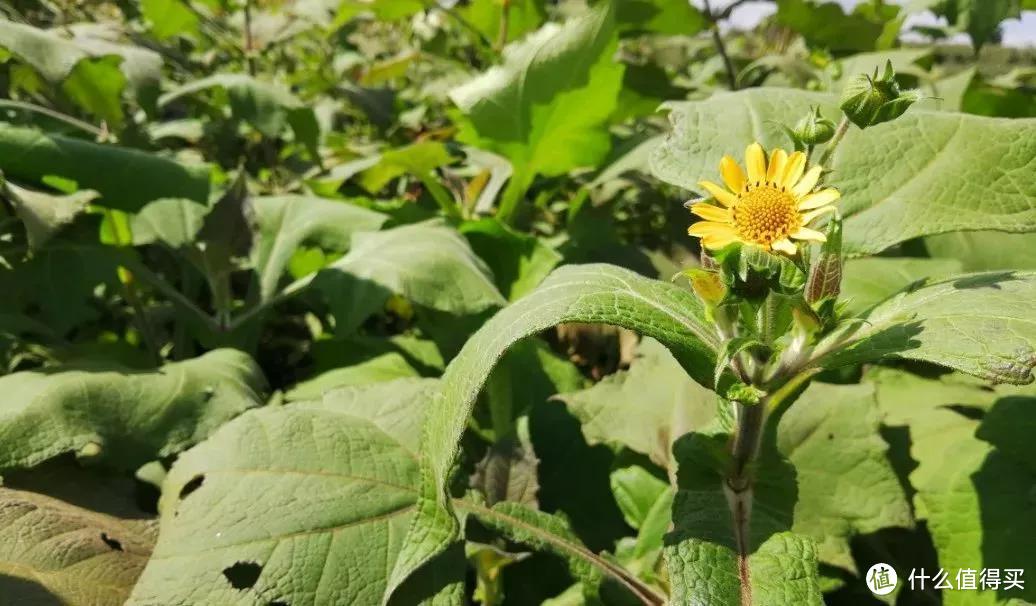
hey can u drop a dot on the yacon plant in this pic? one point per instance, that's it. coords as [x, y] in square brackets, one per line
[764, 317]
[353, 498]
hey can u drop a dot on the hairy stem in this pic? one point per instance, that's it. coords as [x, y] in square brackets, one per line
[829, 151]
[744, 447]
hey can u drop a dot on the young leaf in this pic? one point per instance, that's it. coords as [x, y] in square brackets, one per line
[890, 193]
[980, 324]
[120, 416]
[295, 504]
[53, 551]
[546, 108]
[584, 293]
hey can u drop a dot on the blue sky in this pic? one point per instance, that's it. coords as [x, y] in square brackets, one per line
[1017, 32]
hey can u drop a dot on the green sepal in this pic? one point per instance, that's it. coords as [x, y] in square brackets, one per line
[869, 100]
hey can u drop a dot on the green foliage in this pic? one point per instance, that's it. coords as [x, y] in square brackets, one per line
[547, 106]
[122, 417]
[98, 562]
[895, 185]
[393, 302]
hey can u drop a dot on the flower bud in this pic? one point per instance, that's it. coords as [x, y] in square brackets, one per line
[869, 100]
[814, 129]
[825, 277]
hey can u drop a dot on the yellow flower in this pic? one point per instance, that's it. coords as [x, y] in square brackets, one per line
[769, 207]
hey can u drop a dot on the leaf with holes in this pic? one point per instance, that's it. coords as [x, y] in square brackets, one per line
[53, 552]
[302, 504]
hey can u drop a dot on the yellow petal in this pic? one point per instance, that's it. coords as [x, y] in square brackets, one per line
[723, 196]
[711, 213]
[813, 214]
[793, 169]
[732, 174]
[718, 241]
[805, 233]
[755, 160]
[778, 158]
[784, 245]
[818, 199]
[808, 182]
[709, 228]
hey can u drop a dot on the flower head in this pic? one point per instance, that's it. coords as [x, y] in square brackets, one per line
[769, 207]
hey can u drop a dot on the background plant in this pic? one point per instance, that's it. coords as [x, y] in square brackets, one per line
[381, 301]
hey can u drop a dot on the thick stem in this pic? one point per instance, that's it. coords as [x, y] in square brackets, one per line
[829, 151]
[744, 447]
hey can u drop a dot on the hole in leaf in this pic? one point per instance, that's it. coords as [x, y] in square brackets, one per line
[192, 485]
[243, 575]
[278, 603]
[110, 542]
[830, 436]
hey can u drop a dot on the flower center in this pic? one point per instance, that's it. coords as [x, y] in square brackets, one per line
[765, 214]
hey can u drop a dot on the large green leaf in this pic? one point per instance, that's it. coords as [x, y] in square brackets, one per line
[122, 416]
[125, 178]
[52, 552]
[870, 280]
[546, 108]
[981, 324]
[985, 250]
[924, 173]
[973, 477]
[93, 72]
[301, 504]
[847, 486]
[645, 408]
[429, 264]
[582, 293]
[288, 222]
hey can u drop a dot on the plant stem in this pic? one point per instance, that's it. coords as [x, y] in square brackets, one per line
[744, 447]
[249, 55]
[505, 21]
[829, 151]
[721, 47]
[50, 113]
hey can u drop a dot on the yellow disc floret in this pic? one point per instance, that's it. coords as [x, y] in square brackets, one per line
[768, 207]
